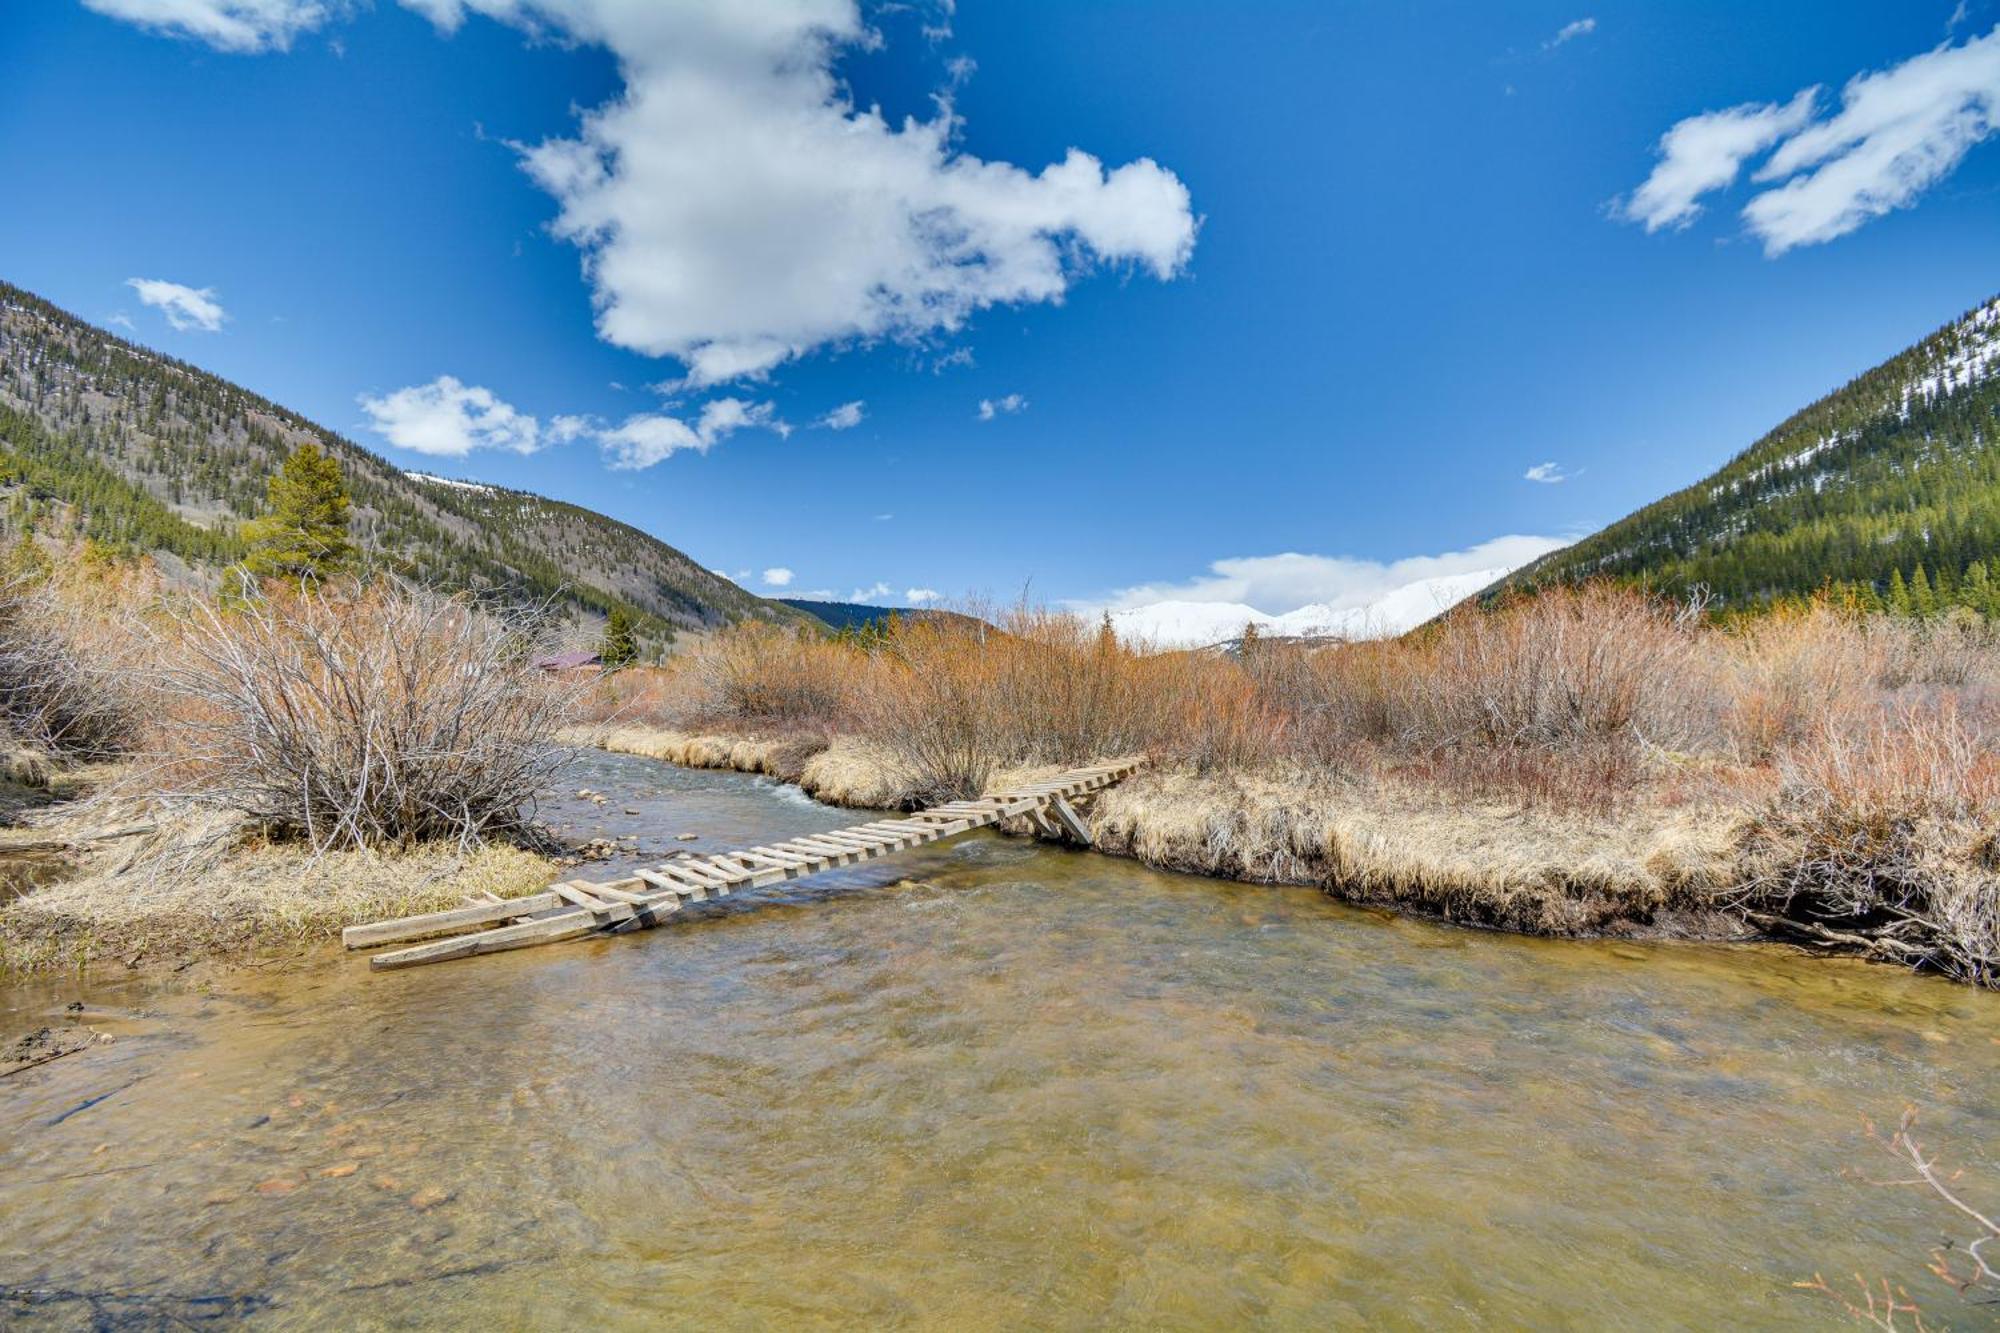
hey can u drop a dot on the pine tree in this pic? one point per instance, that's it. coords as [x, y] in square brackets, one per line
[1923, 599]
[620, 647]
[303, 533]
[27, 563]
[1979, 591]
[1899, 594]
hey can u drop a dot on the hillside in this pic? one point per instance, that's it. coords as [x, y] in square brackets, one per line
[153, 455]
[860, 616]
[1887, 490]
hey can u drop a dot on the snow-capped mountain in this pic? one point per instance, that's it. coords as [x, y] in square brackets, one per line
[1184, 624]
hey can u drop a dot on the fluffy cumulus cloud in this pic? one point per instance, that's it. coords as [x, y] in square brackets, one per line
[227, 25]
[920, 596]
[651, 437]
[845, 417]
[186, 308]
[990, 408]
[777, 577]
[448, 419]
[1280, 583]
[1897, 132]
[1549, 474]
[736, 209]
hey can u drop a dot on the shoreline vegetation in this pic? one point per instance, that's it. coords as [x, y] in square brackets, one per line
[1582, 762]
[279, 756]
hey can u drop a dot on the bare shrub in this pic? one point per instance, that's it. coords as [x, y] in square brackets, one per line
[1569, 668]
[384, 716]
[758, 675]
[936, 705]
[1881, 839]
[1791, 673]
[62, 689]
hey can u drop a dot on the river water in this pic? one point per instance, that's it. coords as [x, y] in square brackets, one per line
[985, 1084]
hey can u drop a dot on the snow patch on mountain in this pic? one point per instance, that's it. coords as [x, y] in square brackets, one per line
[452, 482]
[1965, 356]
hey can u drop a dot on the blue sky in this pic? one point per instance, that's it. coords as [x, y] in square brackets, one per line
[1331, 282]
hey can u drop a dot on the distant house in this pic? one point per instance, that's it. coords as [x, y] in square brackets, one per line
[581, 660]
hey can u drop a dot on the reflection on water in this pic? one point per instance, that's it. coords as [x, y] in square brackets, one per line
[986, 1084]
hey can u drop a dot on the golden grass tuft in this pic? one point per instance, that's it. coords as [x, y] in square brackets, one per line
[202, 887]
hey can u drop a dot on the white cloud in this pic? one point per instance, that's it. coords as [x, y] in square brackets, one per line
[1547, 473]
[777, 577]
[1959, 14]
[990, 408]
[845, 417]
[1705, 153]
[872, 594]
[227, 25]
[919, 596]
[883, 518]
[449, 419]
[123, 321]
[736, 210]
[1898, 132]
[1569, 32]
[649, 437]
[186, 308]
[1281, 583]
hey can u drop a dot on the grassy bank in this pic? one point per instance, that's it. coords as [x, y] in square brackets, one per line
[132, 904]
[1584, 762]
[1630, 871]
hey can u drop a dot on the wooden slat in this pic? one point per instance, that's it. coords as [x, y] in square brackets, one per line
[438, 923]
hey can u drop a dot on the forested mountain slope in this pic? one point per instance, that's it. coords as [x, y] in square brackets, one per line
[153, 455]
[1887, 490]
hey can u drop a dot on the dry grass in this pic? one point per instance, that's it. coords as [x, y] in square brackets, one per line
[206, 886]
[1384, 841]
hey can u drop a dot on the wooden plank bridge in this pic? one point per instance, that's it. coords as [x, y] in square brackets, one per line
[577, 909]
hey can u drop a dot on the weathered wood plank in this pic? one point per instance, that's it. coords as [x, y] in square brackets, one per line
[438, 923]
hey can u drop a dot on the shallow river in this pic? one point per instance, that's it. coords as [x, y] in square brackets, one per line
[985, 1084]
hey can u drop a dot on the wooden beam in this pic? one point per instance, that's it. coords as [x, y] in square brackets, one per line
[439, 923]
[1060, 811]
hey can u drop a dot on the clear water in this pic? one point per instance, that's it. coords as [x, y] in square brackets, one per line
[986, 1084]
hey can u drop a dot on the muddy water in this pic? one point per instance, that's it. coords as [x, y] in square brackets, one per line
[979, 1085]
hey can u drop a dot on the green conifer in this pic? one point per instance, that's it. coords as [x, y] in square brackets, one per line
[303, 533]
[620, 646]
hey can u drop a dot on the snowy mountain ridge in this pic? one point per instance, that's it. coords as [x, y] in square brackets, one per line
[1191, 624]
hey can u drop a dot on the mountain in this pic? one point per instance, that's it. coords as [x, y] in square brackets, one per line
[1182, 624]
[1886, 490]
[149, 454]
[859, 616]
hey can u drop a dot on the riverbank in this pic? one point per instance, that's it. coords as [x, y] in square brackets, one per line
[165, 898]
[1641, 870]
